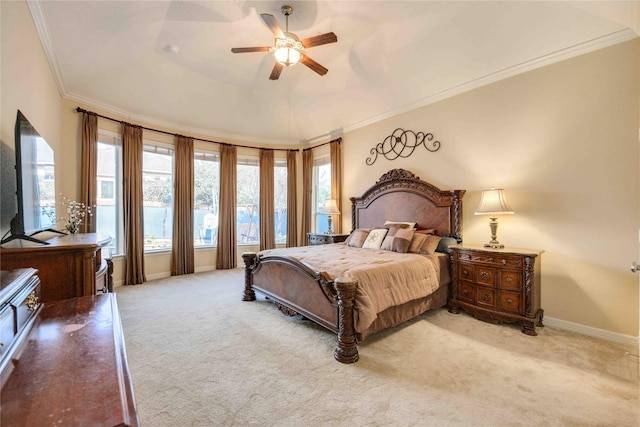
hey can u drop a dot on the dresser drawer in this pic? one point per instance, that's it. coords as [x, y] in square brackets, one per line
[510, 301]
[6, 328]
[26, 303]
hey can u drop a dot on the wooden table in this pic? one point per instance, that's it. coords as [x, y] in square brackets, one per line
[72, 369]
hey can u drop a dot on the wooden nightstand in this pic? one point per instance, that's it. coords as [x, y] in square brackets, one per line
[497, 285]
[325, 239]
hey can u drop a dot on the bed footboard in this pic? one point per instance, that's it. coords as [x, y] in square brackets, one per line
[297, 288]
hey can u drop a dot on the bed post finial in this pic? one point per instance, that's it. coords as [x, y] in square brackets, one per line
[346, 349]
[250, 259]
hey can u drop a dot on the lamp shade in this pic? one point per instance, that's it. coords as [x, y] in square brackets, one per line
[330, 207]
[493, 202]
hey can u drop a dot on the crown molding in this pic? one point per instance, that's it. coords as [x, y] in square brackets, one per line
[560, 55]
[47, 46]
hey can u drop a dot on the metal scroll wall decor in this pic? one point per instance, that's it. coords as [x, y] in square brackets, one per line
[402, 143]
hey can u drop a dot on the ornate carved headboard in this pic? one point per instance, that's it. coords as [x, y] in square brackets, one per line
[399, 195]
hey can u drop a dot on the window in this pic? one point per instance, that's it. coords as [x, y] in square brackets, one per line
[280, 202]
[108, 210]
[206, 168]
[157, 190]
[248, 199]
[321, 191]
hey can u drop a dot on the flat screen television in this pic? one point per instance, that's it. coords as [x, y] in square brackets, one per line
[35, 185]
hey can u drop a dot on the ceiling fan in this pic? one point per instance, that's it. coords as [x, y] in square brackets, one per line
[288, 48]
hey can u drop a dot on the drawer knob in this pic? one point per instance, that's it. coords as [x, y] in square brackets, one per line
[32, 301]
[485, 296]
[466, 292]
[504, 261]
[509, 280]
[509, 301]
[465, 273]
[484, 275]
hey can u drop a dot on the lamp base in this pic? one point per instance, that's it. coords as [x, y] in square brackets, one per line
[494, 245]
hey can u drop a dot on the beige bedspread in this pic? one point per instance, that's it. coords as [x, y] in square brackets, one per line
[385, 278]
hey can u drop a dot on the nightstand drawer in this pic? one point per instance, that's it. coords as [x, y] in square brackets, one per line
[466, 292]
[485, 297]
[483, 257]
[326, 239]
[511, 280]
[486, 276]
[510, 301]
[465, 272]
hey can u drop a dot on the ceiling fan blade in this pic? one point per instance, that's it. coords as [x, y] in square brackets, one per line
[250, 49]
[313, 65]
[273, 25]
[275, 73]
[319, 40]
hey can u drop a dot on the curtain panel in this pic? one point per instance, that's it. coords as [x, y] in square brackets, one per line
[336, 181]
[292, 200]
[267, 209]
[307, 194]
[182, 252]
[132, 204]
[88, 169]
[226, 253]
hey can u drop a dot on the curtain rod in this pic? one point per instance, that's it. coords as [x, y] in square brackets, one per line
[82, 110]
[338, 140]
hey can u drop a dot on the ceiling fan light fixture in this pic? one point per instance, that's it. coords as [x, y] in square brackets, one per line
[287, 50]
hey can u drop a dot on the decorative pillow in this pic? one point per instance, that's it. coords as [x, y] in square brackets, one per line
[387, 224]
[375, 238]
[398, 240]
[357, 238]
[447, 241]
[430, 244]
[427, 231]
[416, 243]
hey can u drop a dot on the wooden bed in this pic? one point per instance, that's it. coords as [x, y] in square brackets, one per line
[298, 288]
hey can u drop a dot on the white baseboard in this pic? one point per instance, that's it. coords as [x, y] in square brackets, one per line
[591, 331]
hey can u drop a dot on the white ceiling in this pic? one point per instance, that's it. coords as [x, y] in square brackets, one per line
[391, 56]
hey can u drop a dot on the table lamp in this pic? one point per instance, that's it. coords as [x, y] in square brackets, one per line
[493, 203]
[330, 209]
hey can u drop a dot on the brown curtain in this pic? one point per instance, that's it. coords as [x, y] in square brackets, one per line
[307, 194]
[132, 204]
[292, 200]
[182, 254]
[267, 223]
[336, 181]
[88, 169]
[226, 254]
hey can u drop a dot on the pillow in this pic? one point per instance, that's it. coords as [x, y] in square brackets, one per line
[427, 231]
[357, 238]
[398, 240]
[388, 224]
[416, 243]
[375, 238]
[430, 244]
[447, 241]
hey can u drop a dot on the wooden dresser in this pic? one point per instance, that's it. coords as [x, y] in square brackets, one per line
[497, 285]
[72, 369]
[69, 266]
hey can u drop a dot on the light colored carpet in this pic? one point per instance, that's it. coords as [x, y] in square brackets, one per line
[199, 356]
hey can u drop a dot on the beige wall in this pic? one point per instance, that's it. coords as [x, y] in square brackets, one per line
[563, 143]
[562, 140]
[26, 84]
